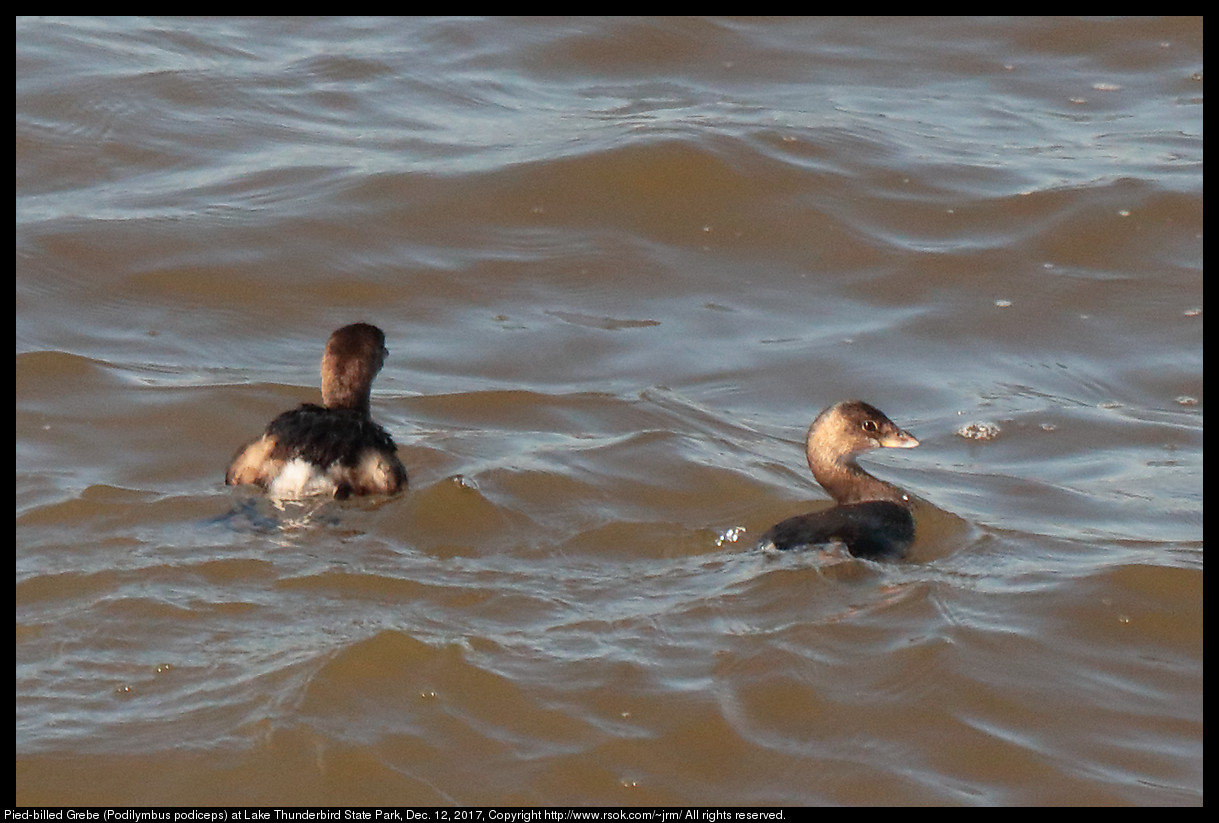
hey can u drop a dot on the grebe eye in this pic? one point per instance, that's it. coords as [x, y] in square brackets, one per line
[870, 426]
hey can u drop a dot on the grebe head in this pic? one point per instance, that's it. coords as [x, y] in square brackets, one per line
[838, 436]
[354, 355]
[852, 427]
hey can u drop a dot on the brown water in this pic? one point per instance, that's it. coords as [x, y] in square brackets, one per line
[621, 264]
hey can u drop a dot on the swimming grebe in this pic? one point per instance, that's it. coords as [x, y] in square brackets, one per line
[872, 517]
[334, 449]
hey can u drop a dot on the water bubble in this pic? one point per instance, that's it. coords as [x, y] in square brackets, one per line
[979, 431]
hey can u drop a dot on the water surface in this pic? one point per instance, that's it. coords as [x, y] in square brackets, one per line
[621, 264]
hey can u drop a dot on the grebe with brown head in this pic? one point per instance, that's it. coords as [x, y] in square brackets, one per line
[872, 518]
[334, 449]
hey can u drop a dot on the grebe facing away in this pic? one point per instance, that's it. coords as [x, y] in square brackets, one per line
[334, 449]
[872, 517]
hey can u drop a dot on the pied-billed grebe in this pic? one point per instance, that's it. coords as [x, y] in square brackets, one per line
[335, 449]
[872, 517]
